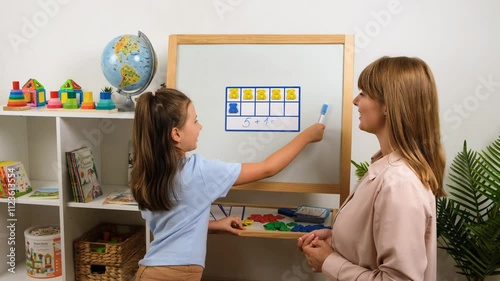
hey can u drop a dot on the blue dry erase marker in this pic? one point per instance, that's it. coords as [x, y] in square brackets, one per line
[323, 113]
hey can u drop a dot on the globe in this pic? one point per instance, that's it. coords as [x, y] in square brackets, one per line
[129, 64]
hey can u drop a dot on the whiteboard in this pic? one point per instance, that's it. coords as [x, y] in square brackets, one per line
[253, 95]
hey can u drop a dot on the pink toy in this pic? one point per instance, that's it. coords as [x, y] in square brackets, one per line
[54, 101]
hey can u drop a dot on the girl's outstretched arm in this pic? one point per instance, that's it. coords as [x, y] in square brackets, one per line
[273, 164]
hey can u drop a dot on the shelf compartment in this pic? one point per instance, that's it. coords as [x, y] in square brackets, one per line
[33, 141]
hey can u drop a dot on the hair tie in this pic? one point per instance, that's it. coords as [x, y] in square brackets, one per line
[154, 94]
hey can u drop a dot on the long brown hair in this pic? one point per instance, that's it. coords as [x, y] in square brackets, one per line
[156, 157]
[407, 88]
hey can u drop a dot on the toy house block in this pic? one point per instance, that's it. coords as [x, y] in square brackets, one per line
[34, 93]
[71, 86]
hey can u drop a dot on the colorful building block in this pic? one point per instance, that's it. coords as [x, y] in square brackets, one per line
[105, 102]
[34, 93]
[88, 101]
[71, 101]
[54, 101]
[68, 87]
[17, 100]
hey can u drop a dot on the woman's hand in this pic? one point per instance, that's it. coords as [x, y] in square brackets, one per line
[322, 234]
[231, 225]
[316, 253]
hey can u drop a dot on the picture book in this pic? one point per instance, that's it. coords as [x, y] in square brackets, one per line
[83, 175]
[13, 174]
[123, 197]
[45, 193]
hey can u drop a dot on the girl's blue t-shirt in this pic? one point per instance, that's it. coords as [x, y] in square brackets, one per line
[180, 234]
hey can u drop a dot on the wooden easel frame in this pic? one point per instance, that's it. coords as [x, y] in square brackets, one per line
[343, 187]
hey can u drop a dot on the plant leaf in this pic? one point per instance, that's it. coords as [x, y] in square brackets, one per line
[468, 224]
[361, 168]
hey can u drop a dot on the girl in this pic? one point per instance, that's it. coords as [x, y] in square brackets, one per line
[386, 229]
[174, 192]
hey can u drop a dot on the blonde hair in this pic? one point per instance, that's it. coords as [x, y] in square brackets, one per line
[156, 159]
[407, 88]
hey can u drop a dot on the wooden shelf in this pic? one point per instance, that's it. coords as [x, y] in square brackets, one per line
[257, 228]
[98, 202]
[44, 112]
[290, 187]
[25, 199]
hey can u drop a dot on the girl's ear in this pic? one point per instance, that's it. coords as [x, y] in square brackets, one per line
[176, 136]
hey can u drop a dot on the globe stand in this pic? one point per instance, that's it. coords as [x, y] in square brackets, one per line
[128, 105]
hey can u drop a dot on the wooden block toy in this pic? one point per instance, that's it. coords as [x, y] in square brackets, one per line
[34, 93]
[68, 87]
[88, 101]
[105, 102]
[54, 101]
[71, 102]
[17, 100]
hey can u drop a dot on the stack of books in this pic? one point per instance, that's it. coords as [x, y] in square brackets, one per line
[83, 175]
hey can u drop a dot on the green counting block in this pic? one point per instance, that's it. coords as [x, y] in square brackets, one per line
[71, 104]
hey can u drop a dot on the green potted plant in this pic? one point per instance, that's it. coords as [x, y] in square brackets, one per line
[107, 89]
[468, 223]
[105, 101]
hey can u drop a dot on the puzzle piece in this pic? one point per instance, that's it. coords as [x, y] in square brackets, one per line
[247, 222]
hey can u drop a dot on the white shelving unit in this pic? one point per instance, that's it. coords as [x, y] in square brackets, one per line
[40, 138]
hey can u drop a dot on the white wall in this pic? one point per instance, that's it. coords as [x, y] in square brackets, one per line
[53, 40]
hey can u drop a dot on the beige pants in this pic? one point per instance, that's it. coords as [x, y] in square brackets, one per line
[170, 273]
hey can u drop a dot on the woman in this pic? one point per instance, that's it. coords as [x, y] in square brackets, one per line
[386, 229]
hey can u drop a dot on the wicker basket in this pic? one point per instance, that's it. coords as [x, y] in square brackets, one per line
[90, 248]
[91, 272]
